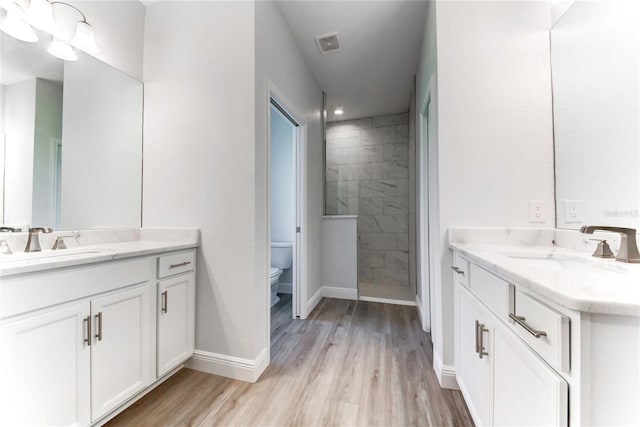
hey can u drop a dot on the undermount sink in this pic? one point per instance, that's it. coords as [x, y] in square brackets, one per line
[62, 253]
[567, 262]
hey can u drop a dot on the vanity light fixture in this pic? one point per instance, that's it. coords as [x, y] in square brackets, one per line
[84, 37]
[18, 23]
[18, 28]
[338, 111]
[62, 50]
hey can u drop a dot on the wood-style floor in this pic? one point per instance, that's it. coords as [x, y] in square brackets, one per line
[350, 363]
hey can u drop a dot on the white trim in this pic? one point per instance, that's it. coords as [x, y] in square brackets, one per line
[229, 366]
[285, 288]
[313, 302]
[425, 326]
[340, 293]
[446, 374]
[388, 301]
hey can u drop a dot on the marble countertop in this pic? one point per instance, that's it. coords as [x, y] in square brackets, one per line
[571, 278]
[145, 243]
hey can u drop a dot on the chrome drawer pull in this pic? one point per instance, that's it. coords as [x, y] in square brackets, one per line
[481, 331]
[99, 322]
[165, 298]
[520, 320]
[457, 270]
[87, 340]
[477, 339]
[182, 264]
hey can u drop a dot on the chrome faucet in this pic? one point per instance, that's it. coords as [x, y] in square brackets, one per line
[628, 251]
[33, 243]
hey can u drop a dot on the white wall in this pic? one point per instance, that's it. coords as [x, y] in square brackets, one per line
[340, 253]
[279, 61]
[200, 164]
[494, 142]
[101, 146]
[283, 179]
[20, 123]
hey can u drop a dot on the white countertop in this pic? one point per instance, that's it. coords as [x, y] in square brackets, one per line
[148, 243]
[571, 278]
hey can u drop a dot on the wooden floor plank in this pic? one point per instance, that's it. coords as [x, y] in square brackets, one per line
[350, 363]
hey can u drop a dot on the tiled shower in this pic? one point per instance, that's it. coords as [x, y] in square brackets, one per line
[368, 175]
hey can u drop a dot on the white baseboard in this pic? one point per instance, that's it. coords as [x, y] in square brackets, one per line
[446, 374]
[229, 366]
[340, 293]
[285, 288]
[388, 301]
[313, 302]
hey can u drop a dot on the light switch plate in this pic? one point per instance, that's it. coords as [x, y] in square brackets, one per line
[537, 211]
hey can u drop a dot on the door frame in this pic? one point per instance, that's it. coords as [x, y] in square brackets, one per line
[426, 213]
[299, 285]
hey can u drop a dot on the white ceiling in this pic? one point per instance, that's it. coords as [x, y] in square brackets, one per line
[373, 73]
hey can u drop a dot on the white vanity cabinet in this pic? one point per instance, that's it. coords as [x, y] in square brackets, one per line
[503, 381]
[176, 310]
[45, 362]
[121, 347]
[78, 344]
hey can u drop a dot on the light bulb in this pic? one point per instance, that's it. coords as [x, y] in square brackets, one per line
[61, 50]
[18, 29]
[40, 14]
[85, 38]
[338, 111]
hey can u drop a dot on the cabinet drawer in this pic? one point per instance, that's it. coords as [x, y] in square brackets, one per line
[170, 265]
[491, 290]
[535, 317]
[461, 269]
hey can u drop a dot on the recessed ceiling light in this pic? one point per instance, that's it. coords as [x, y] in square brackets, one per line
[338, 111]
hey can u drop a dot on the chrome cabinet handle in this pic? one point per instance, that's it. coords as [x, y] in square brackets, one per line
[477, 339]
[99, 322]
[182, 264]
[481, 331]
[87, 340]
[457, 270]
[520, 320]
[165, 298]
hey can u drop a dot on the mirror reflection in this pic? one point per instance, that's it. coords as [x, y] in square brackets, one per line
[71, 136]
[596, 100]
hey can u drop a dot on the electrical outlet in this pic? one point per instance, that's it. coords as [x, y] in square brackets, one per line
[572, 211]
[537, 211]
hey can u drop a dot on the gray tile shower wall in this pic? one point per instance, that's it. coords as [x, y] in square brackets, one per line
[368, 175]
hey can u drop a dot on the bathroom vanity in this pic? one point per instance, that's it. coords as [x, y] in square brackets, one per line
[546, 335]
[88, 330]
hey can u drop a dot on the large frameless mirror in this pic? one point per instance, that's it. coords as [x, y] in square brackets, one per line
[595, 53]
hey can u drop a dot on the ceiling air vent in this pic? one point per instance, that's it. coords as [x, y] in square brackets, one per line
[328, 43]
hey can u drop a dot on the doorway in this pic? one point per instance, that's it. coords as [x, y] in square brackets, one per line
[284, 212]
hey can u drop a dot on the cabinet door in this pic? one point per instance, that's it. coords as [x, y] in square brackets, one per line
[526, 390]
[176, 310]
[473, 372]
[121, 357]
[45, 364]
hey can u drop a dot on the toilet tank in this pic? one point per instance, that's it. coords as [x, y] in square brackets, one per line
[281, 255]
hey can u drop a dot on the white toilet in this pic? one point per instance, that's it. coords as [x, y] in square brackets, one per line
[281, 259]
